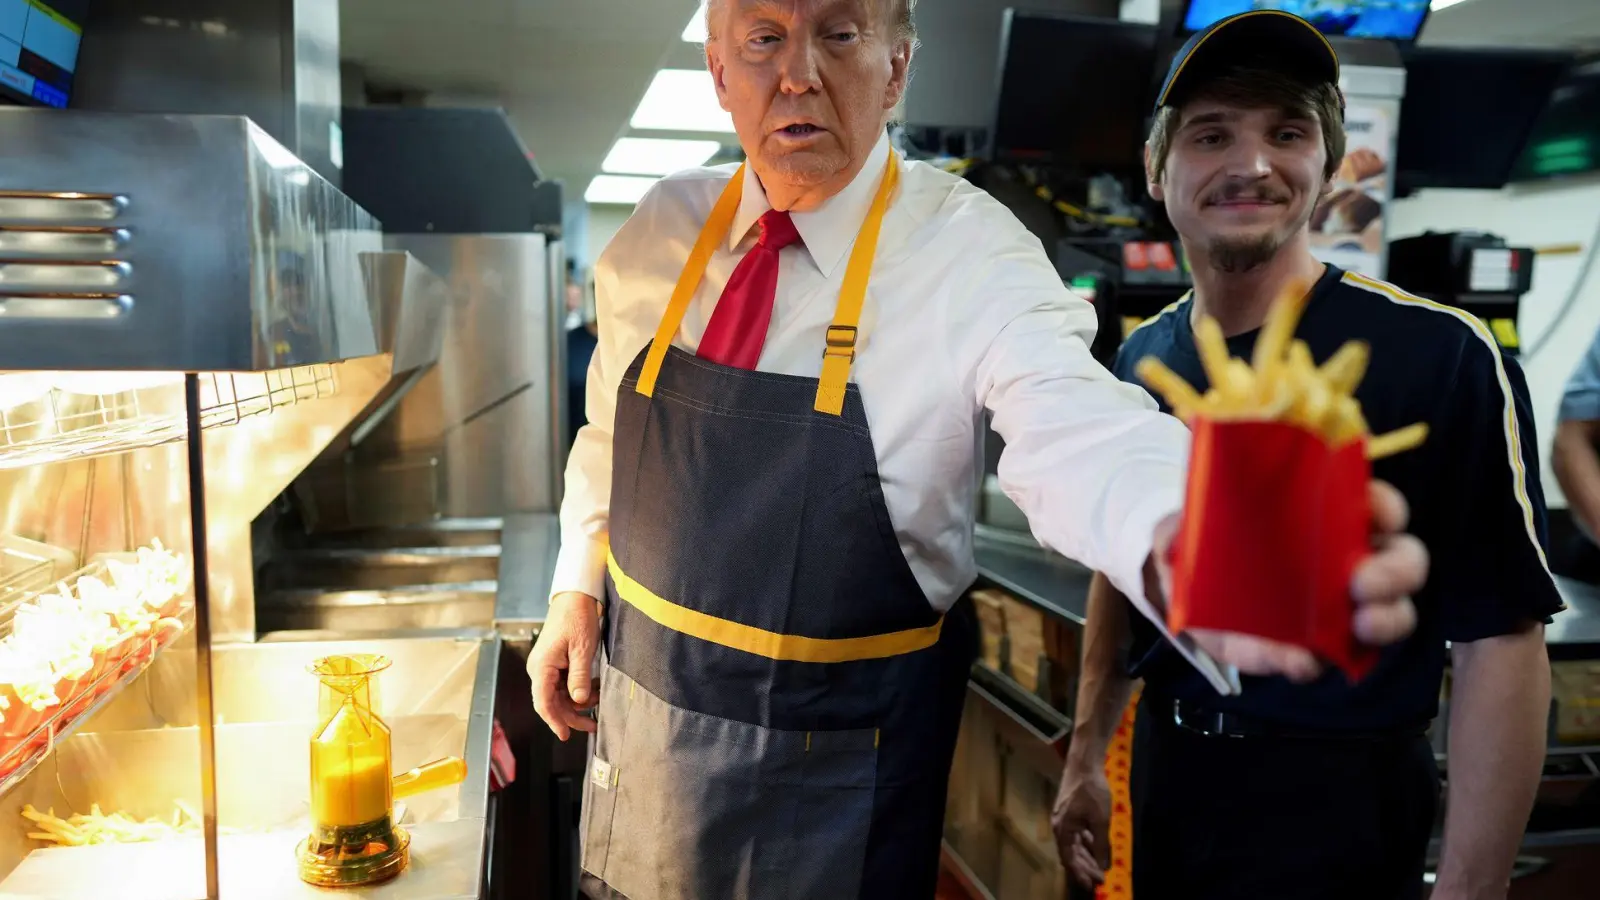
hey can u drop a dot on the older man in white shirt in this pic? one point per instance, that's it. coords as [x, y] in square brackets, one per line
[771, 509]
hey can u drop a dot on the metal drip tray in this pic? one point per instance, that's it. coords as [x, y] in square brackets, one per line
[423, 608]
[340, 569]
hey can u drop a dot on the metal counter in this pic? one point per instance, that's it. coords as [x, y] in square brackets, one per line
[528, 546]
[440, 699]
[1060, 587]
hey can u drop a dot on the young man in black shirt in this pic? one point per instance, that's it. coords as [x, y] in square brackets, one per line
[1323, 789]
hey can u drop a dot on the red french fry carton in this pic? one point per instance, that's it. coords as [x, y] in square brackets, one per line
[1275, 521]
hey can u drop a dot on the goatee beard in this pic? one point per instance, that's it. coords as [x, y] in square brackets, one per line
[1241, 255]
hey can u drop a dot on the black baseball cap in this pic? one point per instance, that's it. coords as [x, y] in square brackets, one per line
[1265, 38]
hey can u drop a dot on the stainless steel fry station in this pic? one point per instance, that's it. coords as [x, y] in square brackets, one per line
[278, 493]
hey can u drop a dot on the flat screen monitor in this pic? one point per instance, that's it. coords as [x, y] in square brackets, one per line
[1467, 114]
[1075, 91]
[1565, 139]
[39, 49]
[1388, 20]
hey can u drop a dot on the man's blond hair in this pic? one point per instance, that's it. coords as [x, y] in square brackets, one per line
[905, 20]
[1258, 89]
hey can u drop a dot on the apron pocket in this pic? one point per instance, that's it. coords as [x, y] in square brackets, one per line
[680, 805]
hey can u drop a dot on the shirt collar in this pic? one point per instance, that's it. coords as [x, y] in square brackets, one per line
[830, 229]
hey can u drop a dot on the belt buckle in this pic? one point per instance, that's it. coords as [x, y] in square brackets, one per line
[1210, 724]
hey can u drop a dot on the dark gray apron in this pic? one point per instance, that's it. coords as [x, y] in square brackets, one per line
[779, 702]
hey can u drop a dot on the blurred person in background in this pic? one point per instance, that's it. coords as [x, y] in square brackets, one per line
[582, 338]
[1575, 459]
[1311, 788]
[768, 520]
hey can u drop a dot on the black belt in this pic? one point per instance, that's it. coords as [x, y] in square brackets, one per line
[1214, 723]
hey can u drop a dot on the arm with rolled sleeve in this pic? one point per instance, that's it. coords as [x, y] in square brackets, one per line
[1573, 457]
[1496, 591]
[1090, 460]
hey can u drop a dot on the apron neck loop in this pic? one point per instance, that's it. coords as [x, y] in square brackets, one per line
[839, 348]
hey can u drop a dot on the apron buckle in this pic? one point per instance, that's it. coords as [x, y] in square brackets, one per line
[840, 340]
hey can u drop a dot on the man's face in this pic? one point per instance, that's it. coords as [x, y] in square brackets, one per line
[1240, 183]
[809, 83]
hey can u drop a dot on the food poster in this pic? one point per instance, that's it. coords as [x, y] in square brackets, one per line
[1347, 226]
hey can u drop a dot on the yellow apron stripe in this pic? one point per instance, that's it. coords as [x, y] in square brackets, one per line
[770, 644]
[1513, 432]
[1119, 769]
[694, 271]
[839, 351]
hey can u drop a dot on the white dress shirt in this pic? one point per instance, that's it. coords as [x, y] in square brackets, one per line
[964, 312]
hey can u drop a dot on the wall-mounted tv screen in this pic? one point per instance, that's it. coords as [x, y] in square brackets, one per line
[1387, 20]
[1468, 112]
[1074, 91]
[1566, 136]
[39, 49]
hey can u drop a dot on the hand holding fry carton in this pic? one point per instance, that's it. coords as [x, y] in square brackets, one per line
[1276, 515]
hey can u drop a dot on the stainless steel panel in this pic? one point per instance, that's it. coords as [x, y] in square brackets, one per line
[273, 61]
[528, 548]
[238, 256]
[488, 410]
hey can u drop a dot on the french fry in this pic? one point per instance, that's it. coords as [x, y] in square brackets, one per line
[1213, 352]
[1183, 398]
[1397, 441]
[1344, 368]
[1282, 383]
[1279, 329]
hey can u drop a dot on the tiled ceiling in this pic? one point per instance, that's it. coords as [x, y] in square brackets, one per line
[570, 72]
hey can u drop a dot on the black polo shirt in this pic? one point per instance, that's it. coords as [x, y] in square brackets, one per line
[1473, 488]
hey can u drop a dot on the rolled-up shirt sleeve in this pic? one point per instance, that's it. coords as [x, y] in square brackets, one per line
[1090, 460]
[1580, 400]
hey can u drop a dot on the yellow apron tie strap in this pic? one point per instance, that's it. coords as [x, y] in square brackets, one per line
[715, 230]
[839, 351]
[1119, 769]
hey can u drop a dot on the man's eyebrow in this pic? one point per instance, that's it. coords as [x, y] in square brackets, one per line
[1210, 118]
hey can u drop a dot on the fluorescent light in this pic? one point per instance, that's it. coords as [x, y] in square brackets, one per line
[681, 100]
[655, 156]
[695, 31]
[623, 189]
[1437, 5]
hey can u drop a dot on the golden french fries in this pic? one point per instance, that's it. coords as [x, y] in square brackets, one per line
[1282, 382]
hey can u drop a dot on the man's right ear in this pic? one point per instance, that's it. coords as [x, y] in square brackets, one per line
[714, 66]
[1152, 179]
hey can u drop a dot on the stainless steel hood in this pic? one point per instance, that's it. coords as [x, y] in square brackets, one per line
[173, 243]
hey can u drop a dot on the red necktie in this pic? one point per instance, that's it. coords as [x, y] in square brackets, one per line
[738, 326]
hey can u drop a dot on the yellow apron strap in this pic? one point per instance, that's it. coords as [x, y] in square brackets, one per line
[1119, 765]
[839, 351]
[840, 348]
[714, 232]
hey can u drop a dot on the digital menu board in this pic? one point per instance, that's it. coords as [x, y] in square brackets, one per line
[39, 49]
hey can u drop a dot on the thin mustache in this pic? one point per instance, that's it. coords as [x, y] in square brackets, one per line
[1238, 196]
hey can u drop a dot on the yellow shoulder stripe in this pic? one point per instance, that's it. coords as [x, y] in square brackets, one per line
[1513, 431]
[770, 644]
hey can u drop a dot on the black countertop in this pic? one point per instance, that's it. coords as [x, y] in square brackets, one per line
[1060, 587]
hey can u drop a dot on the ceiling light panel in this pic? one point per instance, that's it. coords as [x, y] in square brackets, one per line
[618, 189]
[657, 156]
[681, 100]
[695, 31]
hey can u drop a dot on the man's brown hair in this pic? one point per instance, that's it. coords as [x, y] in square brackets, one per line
[1250, 88]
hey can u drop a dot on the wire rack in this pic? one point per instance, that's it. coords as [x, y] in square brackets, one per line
[82, 418]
